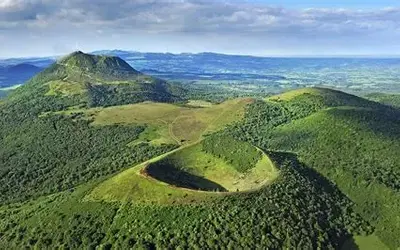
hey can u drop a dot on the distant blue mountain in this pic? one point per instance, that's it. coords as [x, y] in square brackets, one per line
[17, 74]
[22, 68]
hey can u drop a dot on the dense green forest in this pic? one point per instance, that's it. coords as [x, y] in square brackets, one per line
[243, 156]
[55, 153]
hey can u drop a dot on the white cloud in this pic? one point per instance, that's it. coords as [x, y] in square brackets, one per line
[198, 18]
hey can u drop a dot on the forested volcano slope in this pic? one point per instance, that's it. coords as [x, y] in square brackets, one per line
[351, 141]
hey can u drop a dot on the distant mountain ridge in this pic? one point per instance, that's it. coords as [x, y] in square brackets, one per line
[17, 74]
[22, 68]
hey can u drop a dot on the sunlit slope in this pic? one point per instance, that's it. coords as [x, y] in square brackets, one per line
[167, 123]
[357, 149]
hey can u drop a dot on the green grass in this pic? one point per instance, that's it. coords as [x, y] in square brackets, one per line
[155, 135]
[321, 98]
[65, 88]
[371, 242]
[195, 161]
[167, 123]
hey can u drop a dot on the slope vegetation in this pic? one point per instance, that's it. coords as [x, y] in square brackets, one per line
[351, 141]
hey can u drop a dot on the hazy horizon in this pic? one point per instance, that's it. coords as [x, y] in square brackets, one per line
[394, 56]
[259, 28]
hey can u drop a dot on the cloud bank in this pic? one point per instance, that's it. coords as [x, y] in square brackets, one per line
[48, 26]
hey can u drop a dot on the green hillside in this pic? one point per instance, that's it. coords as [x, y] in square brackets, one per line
[321, 97]
[45, 154]
[353, 145]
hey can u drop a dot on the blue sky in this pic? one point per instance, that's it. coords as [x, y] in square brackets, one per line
[330, 3]
[258, 27]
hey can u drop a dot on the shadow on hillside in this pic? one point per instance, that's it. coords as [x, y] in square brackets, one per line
[166, 172]
[315, 177]
[350, 244]
[323, 187]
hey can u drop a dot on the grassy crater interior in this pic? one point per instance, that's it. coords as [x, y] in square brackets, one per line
[193, 168]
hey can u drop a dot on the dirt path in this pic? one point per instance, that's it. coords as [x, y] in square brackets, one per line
[171, 132]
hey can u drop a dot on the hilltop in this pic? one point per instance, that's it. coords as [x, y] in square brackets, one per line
[322, 96]
[81, 79]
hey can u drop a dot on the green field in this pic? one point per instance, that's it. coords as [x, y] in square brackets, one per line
[167, 123]
[65, 88]
[199, 103]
